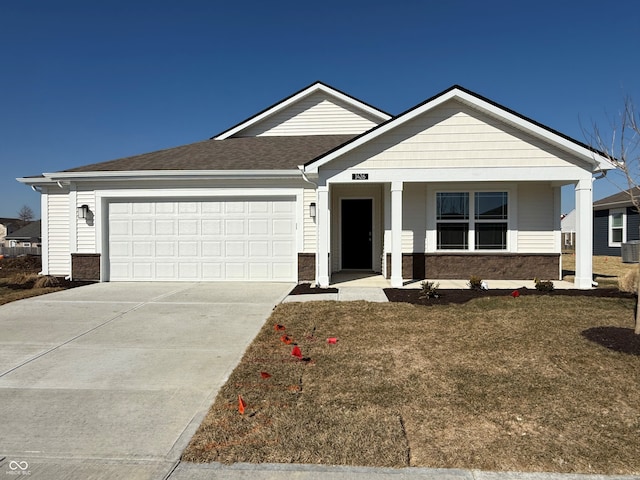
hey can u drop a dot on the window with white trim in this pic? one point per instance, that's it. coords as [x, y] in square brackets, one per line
[463, 224]
[617, 227]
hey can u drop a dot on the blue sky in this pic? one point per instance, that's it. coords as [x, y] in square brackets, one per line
[83, 82]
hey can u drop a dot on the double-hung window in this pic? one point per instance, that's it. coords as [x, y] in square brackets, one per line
[617, 227]
[472, 220]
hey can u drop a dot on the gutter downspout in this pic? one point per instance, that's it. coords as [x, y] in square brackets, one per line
[304, 176]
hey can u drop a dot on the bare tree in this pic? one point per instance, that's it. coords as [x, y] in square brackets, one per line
[622, 149]
[25, 214]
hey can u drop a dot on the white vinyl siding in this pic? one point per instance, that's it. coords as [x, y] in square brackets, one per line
[413, 218]
[536, 215]
[453, 135]
[316, 114]
[58, 253]
[86, 228]
[309, 224]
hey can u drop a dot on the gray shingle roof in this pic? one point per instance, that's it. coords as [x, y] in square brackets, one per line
[246, 153]
[620, 199]
[29, 231]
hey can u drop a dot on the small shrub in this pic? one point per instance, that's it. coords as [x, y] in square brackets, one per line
[429, 289]
[543, 285]
[23, 280]
[46, 281]
[475, 283]
[629, 281]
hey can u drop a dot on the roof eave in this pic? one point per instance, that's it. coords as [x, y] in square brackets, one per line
[166, 175]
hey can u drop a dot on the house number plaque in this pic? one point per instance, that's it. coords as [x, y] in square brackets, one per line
[359, 176]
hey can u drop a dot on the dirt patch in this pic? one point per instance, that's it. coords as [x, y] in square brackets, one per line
[460, 296]
[618, 339]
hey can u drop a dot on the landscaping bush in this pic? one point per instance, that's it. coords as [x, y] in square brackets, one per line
[23, 280]
[429, 289]
[629, 281]
[475, 283]
[543, 285]
[46, 281]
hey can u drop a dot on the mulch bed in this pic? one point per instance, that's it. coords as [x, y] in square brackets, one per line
[459, 296]
[306, 289]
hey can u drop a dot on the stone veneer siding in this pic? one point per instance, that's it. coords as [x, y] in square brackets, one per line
[306, 267]
[456, 266]
[85, 266]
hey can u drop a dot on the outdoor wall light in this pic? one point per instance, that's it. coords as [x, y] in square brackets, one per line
[83, 211]
[312, 210]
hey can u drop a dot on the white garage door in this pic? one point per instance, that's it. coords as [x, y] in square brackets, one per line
[225, 239]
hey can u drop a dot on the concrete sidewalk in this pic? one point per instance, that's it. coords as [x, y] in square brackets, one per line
[190, 471]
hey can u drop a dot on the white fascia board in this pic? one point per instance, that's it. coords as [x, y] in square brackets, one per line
[170, 175]
[295, 98]
[35, 180]
[565, 144]
[597, 161]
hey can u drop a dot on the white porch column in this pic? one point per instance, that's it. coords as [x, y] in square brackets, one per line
[396, 234]
[322, 249]
[584, 234]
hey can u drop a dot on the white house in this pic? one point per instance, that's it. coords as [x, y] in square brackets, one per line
[322, 182]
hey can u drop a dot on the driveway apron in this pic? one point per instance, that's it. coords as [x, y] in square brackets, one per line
[112, 379]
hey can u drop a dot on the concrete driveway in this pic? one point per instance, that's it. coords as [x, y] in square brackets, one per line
[111, 380]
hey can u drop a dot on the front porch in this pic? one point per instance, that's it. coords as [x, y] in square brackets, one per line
[397, 229]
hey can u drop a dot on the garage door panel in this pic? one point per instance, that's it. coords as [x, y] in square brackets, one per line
[140, 208]
[211, 227]
[235, 271]
[188, 249]
[166, 271]
[188, 271]
[142, 271]
[165, 227]
[234, 227]
[142, 227]
[283, 227]
[258, 249]
[258, 226]
[142, 249]
[188, 207]
[225, 239]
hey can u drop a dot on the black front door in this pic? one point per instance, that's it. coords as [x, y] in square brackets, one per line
[357, 234]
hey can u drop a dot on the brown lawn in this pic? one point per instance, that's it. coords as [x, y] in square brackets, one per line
[606, 269]
[537, 383]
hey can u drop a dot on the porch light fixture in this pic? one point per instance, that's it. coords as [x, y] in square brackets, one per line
[312, 209]
[83, 211]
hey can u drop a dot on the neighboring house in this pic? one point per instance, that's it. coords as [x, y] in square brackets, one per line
[568, 229]
[27, 236]
[7, 226]
[615, 221]
[322, 182]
